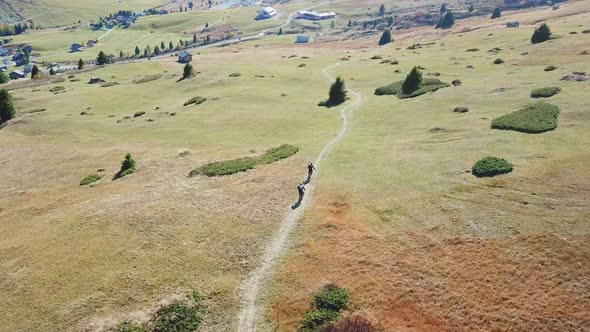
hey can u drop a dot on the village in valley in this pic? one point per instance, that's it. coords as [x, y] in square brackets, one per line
[298, 165]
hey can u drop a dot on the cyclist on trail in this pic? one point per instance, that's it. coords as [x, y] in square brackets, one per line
[301, 191]
[310, 170]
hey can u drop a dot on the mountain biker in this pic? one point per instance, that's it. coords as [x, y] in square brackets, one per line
[301, 191]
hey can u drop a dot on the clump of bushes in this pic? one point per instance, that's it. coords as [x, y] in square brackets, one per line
[545, 92]
[498, 61]
[127, 167]
[129, 326]
[138, 114]
[426, 85]
[195, 100]
[550, 68]
[147, 78]
[36, 110]
[472, 49]
[327, 306]
[109, 84]
[228, 167]
[235, 75]
[57, 89]
[534, 118]
[90, 179]
[183, 316]
[491, 166]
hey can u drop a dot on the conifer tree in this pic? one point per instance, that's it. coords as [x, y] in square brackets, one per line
[412, 81]
[188, 71]
[7, 111]
[543, 33]
[80, 64]
[385, 37]
[337, 94]
[497, 13]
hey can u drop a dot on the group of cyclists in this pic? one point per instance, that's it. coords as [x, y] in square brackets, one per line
[301, 186]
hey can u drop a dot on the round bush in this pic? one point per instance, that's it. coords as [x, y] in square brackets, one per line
[498, 61]
[545, 92]
[331, 297]
[491, 166]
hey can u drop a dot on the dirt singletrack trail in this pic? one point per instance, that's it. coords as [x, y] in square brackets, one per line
[250, 288]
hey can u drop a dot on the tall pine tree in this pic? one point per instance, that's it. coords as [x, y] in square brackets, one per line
[385, 37]
[7, 111]
[412, 81]
[337, 94]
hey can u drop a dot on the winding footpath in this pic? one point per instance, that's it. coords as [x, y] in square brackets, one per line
[278, 244]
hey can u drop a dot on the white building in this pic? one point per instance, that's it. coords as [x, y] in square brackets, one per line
[315, 16]
[266, 12]
[302, 38]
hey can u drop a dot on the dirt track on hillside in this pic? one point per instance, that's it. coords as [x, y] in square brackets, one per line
[251, 287]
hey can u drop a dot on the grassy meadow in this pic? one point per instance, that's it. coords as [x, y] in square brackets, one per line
[396, 217]
[400, 222]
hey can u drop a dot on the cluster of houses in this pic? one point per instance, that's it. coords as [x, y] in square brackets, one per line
[315, 16]
[269, 12]
[80, 47]
[14, 59]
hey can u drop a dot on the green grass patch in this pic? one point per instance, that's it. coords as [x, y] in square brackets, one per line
[195, 100]
[228, 167]
[534, 118]
[57, 89]
[491, 166]
[391, 89]
[90, 179]
[327, 307]
[35, 110]
[183, 316]
[129, 326]
[147, 78]
[545, 92]
[395, 88]
[109, 84]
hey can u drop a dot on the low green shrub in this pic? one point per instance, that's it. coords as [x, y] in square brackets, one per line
[491, 166]
[36, 110]
[313, 320]
[90, 179]
[472, 50]
[129, 326]
[57, 88]
[147, 78]
[109, 84]
[195, 100]
[327, 306]
[498, 61]
[545, 92]
[550, 68]
[228, 167]
[183, 316]
[427, 85]
[276, 154]
[331, 297]
[391, 89]
[235, 75]
[127, 167]
[534, 118]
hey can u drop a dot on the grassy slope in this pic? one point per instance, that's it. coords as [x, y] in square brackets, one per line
[48, 13]
[394, 195]
[121, 246]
